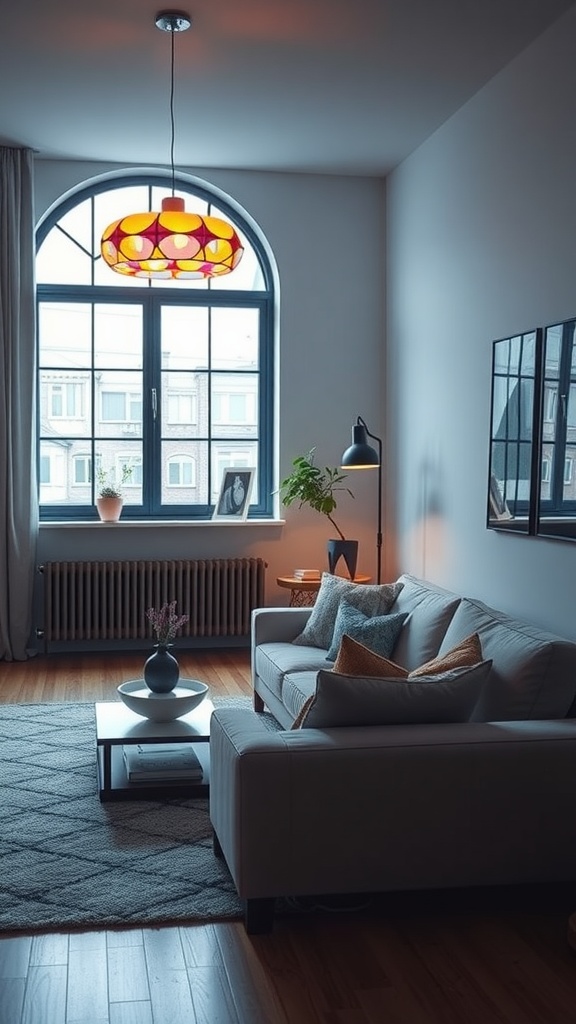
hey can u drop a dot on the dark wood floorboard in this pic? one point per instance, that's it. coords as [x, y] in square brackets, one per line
[497, 958]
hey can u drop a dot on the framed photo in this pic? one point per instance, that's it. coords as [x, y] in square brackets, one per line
[235, 490]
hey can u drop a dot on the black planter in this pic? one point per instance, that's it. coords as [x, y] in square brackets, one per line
[346, 549]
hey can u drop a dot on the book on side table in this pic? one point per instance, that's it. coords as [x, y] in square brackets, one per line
[152, 762]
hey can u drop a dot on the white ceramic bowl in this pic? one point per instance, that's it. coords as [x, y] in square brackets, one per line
[162, 707]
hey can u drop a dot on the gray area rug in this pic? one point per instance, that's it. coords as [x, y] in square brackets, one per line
[67, 860]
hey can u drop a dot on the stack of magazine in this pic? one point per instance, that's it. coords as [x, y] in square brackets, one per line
[153, 762]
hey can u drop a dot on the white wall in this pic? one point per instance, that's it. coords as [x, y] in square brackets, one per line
[327, 237]
[481, 244]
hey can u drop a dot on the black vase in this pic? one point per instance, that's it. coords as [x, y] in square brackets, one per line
[346, 549]
[161, 671]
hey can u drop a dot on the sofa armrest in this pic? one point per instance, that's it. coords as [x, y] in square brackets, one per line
[314, 811]
[278, 625]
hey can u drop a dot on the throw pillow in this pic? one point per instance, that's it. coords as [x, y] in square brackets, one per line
[370, 598]
[378, 632]
[467, 652]
[342, 700]
[354, 659]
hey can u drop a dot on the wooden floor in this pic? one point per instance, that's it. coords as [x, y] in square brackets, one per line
[476, 959]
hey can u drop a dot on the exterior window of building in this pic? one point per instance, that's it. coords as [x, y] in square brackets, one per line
[181, 471]
[172, 379]
[82, 469]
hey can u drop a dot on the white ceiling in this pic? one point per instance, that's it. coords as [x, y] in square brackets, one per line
[342, 86]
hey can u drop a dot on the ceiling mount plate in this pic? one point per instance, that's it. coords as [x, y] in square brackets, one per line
[173, 21]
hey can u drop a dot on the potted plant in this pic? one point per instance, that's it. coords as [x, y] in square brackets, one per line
[310, 485]
[110, 498]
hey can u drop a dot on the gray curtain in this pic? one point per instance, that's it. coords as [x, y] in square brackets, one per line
[18, 499]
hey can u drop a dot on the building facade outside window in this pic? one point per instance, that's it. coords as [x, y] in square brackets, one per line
[173, 379]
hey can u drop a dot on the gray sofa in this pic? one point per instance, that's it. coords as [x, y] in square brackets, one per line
[383, 807]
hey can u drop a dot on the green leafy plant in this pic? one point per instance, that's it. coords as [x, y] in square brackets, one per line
[310, 485]
[108, 488]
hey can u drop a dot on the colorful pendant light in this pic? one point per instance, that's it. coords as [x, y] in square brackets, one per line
[172, 244]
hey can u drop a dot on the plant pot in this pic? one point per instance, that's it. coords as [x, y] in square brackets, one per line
[109, 509]
[161, 671]
[346, 549]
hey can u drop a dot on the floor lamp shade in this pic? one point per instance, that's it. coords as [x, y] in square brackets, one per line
[361, 455]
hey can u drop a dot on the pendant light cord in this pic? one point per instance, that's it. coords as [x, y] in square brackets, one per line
[172, 33]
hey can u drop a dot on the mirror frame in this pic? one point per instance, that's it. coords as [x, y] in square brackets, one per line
[557, 435]
[514, 433]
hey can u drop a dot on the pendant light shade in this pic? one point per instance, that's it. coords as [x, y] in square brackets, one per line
[172, 244]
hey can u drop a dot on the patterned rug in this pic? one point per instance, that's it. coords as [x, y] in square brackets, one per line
[67, 860]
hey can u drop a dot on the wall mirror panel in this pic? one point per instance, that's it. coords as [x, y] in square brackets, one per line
[556, 505]
[513, 473]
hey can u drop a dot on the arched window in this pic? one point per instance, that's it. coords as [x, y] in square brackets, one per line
[174, 379]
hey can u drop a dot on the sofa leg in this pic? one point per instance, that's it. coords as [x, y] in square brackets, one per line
[259, 916]
[216, 848]
[258, 702]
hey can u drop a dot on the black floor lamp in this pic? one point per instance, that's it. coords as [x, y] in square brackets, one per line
[361, 455]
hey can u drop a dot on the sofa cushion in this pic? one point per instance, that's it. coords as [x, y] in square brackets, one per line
[341, 700]
[533, 672]
[367, 597]
[430, 610]
[272, 661]
[297, 689]
[378, 632]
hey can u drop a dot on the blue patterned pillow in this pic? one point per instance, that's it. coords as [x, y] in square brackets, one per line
[377, 632]
[371, 598]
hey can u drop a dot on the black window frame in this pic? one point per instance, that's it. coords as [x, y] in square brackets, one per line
[152, 298]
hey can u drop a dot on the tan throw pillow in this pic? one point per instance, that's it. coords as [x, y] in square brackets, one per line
[354, 659]
[467, 652]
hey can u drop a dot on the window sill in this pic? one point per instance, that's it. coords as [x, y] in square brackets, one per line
[124, 524]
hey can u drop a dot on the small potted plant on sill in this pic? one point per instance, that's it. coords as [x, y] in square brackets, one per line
[310, 485]
[110, 498]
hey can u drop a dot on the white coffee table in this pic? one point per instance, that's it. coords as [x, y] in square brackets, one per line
[117, 726]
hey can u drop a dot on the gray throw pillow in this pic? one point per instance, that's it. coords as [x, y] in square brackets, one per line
[357, 701]
[370, 598]
[378, 632]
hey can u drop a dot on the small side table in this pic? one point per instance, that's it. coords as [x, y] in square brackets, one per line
[303, 592]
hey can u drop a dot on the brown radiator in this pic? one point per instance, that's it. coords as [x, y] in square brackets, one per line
[108, 600]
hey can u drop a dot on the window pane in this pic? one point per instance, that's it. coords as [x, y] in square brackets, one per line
[65, 404]
[184, 337]
[65, 334]
[235, 405]
[235, 339]
[184, 473]
[118, 336]
[65, 256]
[118, 404]
[184, 405]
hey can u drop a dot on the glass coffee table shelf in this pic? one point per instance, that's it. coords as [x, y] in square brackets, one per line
[117, 726]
